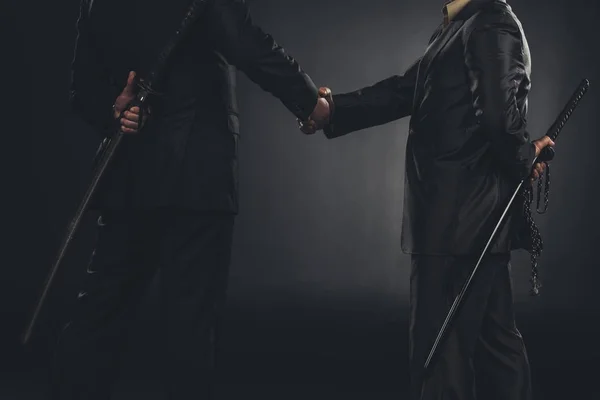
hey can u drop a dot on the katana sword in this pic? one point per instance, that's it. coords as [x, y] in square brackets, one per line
[146, 88]
[547, 154]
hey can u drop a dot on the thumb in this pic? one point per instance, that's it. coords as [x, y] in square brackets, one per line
[541, 143]
[546, 141]
[324, 92]
[129, 88]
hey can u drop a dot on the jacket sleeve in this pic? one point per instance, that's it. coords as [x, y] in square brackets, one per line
[256, 53]
[92, 90]
[383, 102]
[497, 69]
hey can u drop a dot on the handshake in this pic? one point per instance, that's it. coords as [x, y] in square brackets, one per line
[129, 120]
[321, 114]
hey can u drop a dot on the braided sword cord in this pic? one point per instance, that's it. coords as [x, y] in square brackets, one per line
[537, 244]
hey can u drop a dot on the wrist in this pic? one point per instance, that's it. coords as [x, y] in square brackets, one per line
[328, 96]
[536, 148]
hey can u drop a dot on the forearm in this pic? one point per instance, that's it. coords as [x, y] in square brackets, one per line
[499, 115]
[386, 101]
[257, 54]
[504, 126]
[497, 69]
[279, 74]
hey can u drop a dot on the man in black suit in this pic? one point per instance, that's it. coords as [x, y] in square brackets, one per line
[467, 149]
[170, 197]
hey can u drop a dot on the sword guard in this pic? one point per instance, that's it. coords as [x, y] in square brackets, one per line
[143, 84]
[546, 155]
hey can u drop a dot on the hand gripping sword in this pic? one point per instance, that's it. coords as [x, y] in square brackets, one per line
[547, 154]
[110, 146]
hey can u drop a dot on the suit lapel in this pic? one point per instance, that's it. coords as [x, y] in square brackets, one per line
[431, 53]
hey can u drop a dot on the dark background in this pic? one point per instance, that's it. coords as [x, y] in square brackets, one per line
[319, 285]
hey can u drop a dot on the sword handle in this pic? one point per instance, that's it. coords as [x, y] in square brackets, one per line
[548, 153]
[565, 114]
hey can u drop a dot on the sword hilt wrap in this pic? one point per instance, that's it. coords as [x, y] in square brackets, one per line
[564, 116]
[548, 153]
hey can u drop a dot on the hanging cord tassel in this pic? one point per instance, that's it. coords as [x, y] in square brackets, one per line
[545, 186]
[537, 243]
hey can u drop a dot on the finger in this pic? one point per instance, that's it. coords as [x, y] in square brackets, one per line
[129, 124]
[535, 174]
[324, 91]
[546, 141]
[541, 143]
[308, 123]
[130, 87]
[321, 112]
[135, 110]
[539, 168]
[131, 116]
[309, 127]
[308, 130]
[128, 130]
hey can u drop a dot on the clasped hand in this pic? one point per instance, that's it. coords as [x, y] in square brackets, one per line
[538, 168]
[320, 115]
[129, 119]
